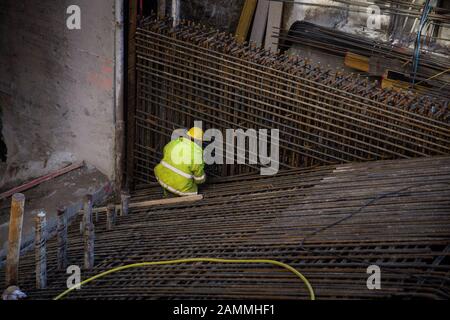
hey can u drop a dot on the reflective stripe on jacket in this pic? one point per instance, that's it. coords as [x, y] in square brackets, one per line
[181, 168]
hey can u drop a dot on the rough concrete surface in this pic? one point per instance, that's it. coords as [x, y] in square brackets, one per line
[56, 86]
[66, 190]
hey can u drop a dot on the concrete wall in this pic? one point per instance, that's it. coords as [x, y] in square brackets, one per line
[56, 86]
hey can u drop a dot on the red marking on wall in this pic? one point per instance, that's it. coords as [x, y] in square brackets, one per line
[104, 78]
[100, 80]
[107, 69]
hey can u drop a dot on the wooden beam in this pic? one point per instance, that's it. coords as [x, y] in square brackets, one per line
[246, 20]
[356, 61]
[125, 203]
[161, 202]
[14, 239]
[273, 25]
[151, 203]
[260, 23]
[110, 216]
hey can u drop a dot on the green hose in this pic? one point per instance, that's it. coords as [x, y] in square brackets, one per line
[179, 261]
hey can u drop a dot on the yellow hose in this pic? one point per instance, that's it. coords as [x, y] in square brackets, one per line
[156, 263]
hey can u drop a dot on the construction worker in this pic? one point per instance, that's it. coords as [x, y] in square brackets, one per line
[182, 166]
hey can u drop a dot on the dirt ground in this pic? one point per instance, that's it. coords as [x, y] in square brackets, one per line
[67, 190]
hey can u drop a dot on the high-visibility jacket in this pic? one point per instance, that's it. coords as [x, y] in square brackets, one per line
[182, 167]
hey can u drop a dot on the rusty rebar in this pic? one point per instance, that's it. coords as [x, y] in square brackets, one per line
[40, 247]
[62, 238]
[192, 72]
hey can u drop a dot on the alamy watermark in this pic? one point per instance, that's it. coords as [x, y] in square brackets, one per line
[237, 146]
[374, 280]
[73, 21]
[74, 280]
[374, 17]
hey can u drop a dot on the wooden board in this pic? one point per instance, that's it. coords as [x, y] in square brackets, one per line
[151, 203]
[273, 25]
[260, 22]
[356, 61]
[246, 19]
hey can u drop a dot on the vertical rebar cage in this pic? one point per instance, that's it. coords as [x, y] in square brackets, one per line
[193, 73]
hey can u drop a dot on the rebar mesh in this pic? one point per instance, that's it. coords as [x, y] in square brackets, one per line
[192, 73]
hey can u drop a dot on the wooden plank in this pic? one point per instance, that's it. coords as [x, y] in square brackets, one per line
[150, 203]
[161, 202]
[246, 19]
[42, 179]
[273, 25]
[14, 239]
[356, 61]
[260, 22]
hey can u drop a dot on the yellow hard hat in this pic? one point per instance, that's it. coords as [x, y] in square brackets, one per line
[196, 133]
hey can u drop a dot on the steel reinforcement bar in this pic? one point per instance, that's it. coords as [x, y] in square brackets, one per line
[284, 217]
[192, 73]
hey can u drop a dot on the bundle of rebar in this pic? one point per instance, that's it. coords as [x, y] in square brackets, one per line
[379, 53]
[401, 8]
[330, 223]
[192, 72]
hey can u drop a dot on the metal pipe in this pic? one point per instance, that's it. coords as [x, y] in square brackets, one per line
[175, 12]
[40, 247]
[110, 216]
[61, 255]
[89, 234]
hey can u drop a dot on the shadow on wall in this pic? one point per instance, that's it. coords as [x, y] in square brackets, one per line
[3, 150]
